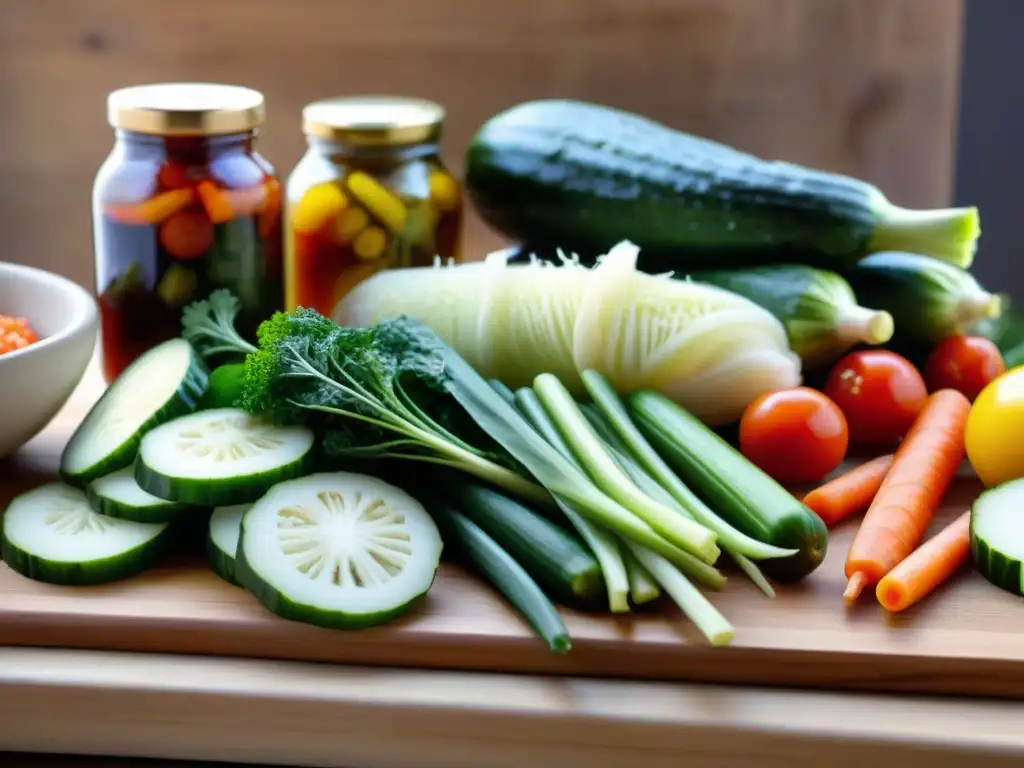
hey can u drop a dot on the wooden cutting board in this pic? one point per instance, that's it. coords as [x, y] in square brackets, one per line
[967, 638]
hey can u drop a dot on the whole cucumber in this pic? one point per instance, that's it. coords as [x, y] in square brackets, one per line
[582, 177]
[928, 299]
[732, 486]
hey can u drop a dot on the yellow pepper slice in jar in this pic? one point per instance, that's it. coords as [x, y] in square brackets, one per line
[370, 243]
[994, 426]
[349, 224]
[381, 202]
[317, 207]
[444, 191]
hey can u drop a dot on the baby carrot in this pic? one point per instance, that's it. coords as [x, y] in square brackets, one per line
[850, 493]
[151, 211]
[921, 471]
[929, 565]
[217, 204]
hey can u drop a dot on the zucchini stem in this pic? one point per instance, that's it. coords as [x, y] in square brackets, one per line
[948, 234]
[860, 325]
[977, 306]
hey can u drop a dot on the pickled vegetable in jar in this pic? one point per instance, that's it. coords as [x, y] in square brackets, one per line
[183, 205]
[371, 193]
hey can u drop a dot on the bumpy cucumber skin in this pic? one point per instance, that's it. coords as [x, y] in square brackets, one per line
[185, 400]
[101, 571]
[156, 513]
[220, 492]
[283, 606]
[793, 526]
[583, 177]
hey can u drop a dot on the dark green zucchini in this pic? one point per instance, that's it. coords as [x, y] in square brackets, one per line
[731, 485]
[559, 563]
[928, 299]
[582, 177]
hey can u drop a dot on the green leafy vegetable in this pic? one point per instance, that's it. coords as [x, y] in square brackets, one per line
[209, 325]
[396, 391]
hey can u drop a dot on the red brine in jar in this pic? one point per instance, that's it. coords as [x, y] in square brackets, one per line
[182, 206]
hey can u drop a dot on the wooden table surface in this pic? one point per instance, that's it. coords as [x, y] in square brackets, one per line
[292, 713]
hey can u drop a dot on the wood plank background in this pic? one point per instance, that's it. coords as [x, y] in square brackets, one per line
[867, 87]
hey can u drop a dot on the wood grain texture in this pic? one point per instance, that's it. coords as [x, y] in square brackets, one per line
[335, 716]
[964, 639]
[867, 87]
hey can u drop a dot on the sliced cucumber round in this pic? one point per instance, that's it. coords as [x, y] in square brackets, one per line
[222, 539]
[165, 382]
[997, 535]
[52, 534]
[338, 550]
[119, 495]
[220, 457]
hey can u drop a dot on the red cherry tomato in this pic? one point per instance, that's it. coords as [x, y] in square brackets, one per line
[187, 234]
[795, 435]
[879, 392]
[964, 363]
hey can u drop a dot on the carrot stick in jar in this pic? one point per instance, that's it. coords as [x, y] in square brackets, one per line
[922, 469]
[151, 211]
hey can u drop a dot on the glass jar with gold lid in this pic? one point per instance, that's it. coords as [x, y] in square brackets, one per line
[371, 193]
[183, 205]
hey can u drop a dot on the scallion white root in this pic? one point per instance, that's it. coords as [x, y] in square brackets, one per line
[642, 586]
[698, 609]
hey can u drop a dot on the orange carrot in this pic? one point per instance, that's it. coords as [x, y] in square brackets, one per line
[850, 493]
[929, 565]
[223, 205]
[217, 205]
[151, 211]
[921, 471]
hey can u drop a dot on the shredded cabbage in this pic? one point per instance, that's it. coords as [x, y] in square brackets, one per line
[708, 349]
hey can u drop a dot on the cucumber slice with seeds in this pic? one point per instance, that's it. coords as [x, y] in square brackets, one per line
[222, 540]
[119, 495]
[997, 536]
[165, 382]
[220, 457]
[338, 550]
[51, 534]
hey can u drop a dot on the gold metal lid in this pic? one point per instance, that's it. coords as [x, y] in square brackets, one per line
[175, 109]
[374, 120]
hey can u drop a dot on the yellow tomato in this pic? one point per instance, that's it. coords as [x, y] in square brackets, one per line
[994, 436]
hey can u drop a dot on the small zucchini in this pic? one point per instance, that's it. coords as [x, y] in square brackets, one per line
[731, 485]
[555, 559]
[927, 298]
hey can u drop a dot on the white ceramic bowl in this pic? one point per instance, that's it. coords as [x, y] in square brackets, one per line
[37, 380]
